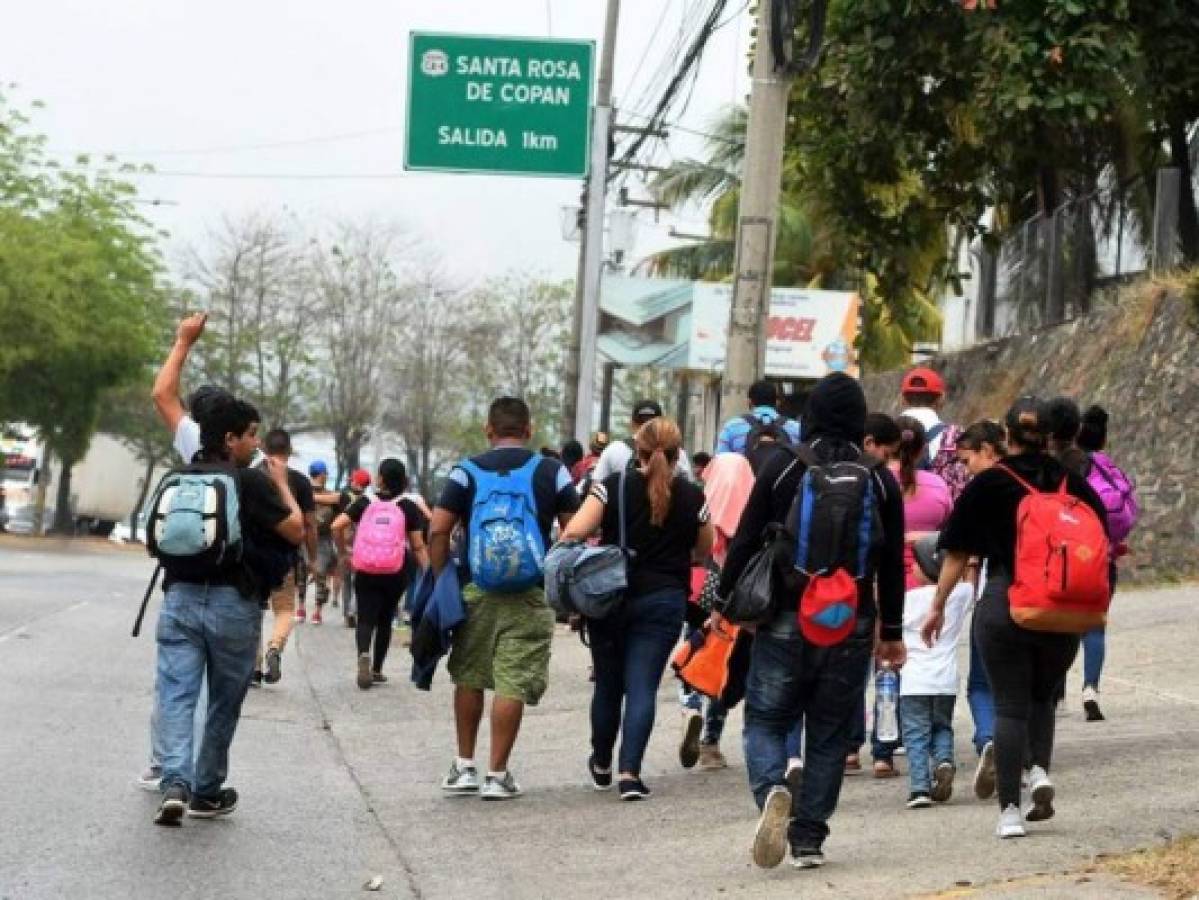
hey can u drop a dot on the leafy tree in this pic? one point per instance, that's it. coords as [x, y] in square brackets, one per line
[79, 293]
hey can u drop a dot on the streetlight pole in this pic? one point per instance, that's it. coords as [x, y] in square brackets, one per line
[579, 396]
[757, 218]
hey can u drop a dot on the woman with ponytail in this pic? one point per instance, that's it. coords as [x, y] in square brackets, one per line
[666, 526]
[1024, 667]
[926, 498]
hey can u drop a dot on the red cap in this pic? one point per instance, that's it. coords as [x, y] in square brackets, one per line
[923, 381]
[361, 479]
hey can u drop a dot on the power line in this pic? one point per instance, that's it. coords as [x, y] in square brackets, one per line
[650, 43]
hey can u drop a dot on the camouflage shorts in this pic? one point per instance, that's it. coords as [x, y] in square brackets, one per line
[504, 645]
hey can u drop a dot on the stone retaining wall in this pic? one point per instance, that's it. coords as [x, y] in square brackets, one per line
[1140, 361]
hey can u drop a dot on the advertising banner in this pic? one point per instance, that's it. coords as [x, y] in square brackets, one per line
[809, 334]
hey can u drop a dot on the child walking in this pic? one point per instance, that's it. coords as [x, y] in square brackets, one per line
[930, 681]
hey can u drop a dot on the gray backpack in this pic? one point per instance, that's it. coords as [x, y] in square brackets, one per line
[589, 581]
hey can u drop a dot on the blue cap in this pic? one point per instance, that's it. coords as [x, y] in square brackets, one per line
[317, 468]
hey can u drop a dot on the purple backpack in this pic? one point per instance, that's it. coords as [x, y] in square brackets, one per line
[1118, 494]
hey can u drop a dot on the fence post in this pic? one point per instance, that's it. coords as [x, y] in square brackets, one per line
[1164, 250]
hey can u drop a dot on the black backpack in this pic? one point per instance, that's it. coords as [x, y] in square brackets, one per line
[764, 439]
[834, 519]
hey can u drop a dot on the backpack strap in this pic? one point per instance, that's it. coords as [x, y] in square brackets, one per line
[141, 613]
[933, 433]
[620, 512]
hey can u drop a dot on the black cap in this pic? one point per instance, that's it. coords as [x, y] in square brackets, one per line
[928, 557]
[644, 410]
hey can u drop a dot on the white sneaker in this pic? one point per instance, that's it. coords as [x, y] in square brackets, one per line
[770, 837]
[504, 788]
[461, 781]
[984, 775]
[150, 779]
[1041, 790]
[1010, 824]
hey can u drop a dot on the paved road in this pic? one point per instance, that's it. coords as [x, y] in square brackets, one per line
[339, 785]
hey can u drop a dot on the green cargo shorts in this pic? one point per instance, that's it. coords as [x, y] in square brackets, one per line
[504, 645]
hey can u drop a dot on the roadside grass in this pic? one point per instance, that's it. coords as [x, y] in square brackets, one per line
[1172, 869]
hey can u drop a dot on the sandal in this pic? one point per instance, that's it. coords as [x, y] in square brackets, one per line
[884, 769]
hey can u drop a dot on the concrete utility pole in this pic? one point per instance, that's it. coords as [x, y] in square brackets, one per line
[579, 394]
[757, 218]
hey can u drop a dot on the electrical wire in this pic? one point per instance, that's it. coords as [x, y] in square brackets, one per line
[270, 145]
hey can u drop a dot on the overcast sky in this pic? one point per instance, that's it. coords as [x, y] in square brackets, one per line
[150, 79]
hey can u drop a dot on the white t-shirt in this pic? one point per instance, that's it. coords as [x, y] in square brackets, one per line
[927, 416]
[616, 457]
[187, 439]
[933, 671]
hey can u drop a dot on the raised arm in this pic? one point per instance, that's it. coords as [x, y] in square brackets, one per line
[166, 385]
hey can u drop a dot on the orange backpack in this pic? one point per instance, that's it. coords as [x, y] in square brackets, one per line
[1061, 583]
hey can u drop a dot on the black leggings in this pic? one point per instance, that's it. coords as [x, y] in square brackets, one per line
[1025, 669]
[378, 600]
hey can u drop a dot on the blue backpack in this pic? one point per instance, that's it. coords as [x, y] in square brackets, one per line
[505, 548]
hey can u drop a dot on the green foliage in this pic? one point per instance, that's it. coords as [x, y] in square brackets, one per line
[79, 295]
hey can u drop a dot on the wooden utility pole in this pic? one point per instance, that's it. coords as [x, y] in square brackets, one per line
[579, 391]
[757, 219]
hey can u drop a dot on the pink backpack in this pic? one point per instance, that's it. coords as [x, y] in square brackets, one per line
[947, 464]
[381, 539]
[1118, 494]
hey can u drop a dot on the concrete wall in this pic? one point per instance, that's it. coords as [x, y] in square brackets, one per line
[1139, 359]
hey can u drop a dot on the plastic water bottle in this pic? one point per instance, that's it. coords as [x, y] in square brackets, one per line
[886, 698]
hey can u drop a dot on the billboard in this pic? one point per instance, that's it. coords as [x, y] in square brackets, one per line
[809, 333]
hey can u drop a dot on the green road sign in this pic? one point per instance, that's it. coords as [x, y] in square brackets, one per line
[512, 106]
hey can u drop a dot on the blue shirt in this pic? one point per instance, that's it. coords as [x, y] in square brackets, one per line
[735, 431]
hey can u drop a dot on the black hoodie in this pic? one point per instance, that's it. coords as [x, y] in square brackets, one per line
[833, 427]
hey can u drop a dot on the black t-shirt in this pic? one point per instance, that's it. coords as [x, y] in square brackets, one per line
[983, 521]
[301, 492]
[552, 489]
[415, 522]
[661, 554]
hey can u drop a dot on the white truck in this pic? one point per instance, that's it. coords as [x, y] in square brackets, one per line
[105, 485]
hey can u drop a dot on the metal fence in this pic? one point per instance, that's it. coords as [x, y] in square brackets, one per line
[1048, 270]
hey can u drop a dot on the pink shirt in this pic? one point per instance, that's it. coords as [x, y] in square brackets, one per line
[925, 510]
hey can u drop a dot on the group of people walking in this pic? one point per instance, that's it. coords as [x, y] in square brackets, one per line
[823, 548]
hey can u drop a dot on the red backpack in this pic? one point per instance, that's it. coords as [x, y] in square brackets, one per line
[1061, 583]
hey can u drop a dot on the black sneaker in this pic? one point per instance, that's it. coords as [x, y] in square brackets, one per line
[919, 800]
[211, 807]
[273, 663]
[632, 789]
[807, 857]
[256, 678]
[601, 781]
[174, 802]
[693, 724]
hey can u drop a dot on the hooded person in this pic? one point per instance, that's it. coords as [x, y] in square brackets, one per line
[791, 676]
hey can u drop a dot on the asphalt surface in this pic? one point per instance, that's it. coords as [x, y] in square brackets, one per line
[339, 786]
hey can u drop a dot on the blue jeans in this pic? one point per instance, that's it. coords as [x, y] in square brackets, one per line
[1094, 649]
[197, 726]
[927, 727]
[202, 630]
[629, 652]
[791, 680]
[980, 698]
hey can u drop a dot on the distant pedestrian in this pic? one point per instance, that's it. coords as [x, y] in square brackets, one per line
[699, 464]
[923, 393]
[667, 523]
[1118, 493]
[758, 432]
[324, 566]
[387, 551]
[507, 498]
[618, 454]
